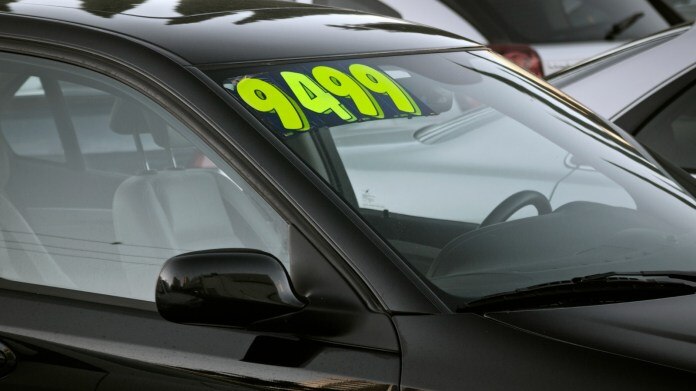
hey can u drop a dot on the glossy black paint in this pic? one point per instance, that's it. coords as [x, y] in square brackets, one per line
[334, 313]
[466, 351]
[202, 287]
[212, 32]
[50, 366]
[657, 331]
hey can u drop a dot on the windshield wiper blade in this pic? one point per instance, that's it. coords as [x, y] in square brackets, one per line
[623, 25]
[671, 274]
[604, 288]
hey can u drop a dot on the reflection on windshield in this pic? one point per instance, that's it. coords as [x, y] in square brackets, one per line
[501, 184]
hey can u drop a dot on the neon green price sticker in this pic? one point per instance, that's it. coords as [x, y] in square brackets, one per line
[380, 83]
[297, 100]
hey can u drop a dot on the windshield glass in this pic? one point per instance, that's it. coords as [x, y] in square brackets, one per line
[481, 178]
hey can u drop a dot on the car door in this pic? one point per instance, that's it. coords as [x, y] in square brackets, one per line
[81, 246]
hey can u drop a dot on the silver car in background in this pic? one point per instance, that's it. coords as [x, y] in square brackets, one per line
[542, 36]
[647, 87]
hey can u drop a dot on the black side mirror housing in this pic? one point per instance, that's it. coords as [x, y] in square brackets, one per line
[225, 287]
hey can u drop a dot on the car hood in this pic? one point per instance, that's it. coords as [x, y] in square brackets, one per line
[661, 331]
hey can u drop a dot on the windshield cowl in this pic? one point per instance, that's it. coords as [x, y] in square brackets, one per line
[605, 288]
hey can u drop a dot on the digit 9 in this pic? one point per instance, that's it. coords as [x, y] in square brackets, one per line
[340, 84]
[267, 98]
[380, 83]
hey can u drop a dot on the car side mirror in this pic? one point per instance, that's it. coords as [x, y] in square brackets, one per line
[227, 287]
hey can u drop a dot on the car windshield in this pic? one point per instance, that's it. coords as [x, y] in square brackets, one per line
[548, 21]
[482, 179]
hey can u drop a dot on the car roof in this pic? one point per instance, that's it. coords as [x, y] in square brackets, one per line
[233, 31]
[621, 78]
[602, 59]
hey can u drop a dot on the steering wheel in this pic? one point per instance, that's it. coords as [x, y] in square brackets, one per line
[515, 202]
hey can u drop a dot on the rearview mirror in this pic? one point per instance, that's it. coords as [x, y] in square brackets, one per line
[227, 287]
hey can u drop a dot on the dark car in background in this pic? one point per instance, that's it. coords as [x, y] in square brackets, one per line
[387, 206]
[542, 36]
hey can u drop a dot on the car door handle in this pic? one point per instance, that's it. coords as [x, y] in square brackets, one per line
[8, 360]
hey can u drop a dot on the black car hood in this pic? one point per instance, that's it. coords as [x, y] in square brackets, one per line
[661, 331]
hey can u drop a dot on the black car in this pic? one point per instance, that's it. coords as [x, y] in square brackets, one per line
[238, 195]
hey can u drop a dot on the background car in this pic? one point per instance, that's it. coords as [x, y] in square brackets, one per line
[358, 229]
[687, 8]
[648, 88]
[540, 36]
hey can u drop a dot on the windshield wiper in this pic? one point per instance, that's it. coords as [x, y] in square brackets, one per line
[623, 25]
[605, 288]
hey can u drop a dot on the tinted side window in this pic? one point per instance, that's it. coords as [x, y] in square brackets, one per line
[145, 189]
[672, 132]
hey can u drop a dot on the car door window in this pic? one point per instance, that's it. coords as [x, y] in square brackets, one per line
[672, 132]
[146, 188]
